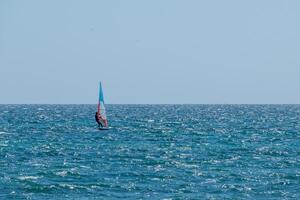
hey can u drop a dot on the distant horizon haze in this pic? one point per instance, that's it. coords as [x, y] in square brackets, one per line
[150, 52]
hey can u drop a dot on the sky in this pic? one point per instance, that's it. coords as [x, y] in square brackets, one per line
[150, 52]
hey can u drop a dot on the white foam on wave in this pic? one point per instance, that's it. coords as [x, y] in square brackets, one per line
[209, 180]
[62, 173]
[85, 167]
[22, 178]
[68, 186]
[72, 187]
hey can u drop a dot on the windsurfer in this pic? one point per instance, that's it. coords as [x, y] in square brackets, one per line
[99, 119]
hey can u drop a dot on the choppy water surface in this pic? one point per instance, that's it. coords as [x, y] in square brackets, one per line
[151, 152]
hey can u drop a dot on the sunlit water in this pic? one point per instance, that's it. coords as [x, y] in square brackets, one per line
[150, 152]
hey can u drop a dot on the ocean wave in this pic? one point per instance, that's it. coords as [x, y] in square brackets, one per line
[154, 152]
[23, 178]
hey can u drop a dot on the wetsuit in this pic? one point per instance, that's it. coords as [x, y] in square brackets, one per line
[97, 119]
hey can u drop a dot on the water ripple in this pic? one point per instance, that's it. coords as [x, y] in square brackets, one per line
[150, 152]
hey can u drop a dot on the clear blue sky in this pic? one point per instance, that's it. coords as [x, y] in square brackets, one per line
[155, 51]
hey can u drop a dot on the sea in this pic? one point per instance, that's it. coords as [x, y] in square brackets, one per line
[150, 152]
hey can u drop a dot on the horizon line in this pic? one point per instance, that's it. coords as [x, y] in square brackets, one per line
[151, 104]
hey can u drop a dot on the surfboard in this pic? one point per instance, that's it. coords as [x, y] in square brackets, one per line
[103, 128]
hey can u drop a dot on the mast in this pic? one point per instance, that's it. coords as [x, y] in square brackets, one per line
[99, 98]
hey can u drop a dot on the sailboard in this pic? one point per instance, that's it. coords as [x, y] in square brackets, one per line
[103, 123]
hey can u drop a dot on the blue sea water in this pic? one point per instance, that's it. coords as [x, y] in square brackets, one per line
[150, 152]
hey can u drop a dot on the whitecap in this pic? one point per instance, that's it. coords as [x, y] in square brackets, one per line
[158, 168]
[86, 167]
[197, 173]
[70, 186]
[62, 173]
[210, 181]
[22, 178]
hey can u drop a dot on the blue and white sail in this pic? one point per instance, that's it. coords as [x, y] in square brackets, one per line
[101, 107]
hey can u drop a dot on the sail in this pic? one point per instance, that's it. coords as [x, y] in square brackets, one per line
[101, 107]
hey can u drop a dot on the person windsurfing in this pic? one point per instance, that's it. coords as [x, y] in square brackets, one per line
[99, 119]
[100, 115]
